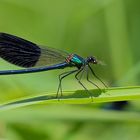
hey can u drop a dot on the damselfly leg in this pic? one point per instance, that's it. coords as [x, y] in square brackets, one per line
[96, 76]
[87, 76]
[61, 77]
[79, 80]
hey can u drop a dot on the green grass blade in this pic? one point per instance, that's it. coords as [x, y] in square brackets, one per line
[79, 97]
[30, 114]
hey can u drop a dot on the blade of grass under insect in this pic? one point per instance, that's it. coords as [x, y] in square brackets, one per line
[78, 97]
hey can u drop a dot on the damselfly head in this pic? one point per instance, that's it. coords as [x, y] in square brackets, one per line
[92, 60]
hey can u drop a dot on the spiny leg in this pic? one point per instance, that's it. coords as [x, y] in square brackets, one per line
[79, 80]
[80, 72]
[96, 76]
[60, 86]
[61, 76]
[90, 80]
[67, 74]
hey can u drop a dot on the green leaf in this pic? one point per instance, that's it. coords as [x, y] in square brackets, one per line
[79, 97]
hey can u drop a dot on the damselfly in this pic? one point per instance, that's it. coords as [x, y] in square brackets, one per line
[35, 58]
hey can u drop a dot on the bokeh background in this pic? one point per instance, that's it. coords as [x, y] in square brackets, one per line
[107, 29]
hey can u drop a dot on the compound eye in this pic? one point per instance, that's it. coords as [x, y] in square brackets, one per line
[92, 60]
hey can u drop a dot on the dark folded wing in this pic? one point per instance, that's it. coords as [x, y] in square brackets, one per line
[27, 54]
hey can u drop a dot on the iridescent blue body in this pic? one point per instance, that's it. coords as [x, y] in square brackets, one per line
[75, 60]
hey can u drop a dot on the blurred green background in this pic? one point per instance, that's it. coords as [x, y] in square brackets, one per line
[107, 29]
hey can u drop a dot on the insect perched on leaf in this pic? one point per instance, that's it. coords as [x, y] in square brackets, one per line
[35, 58]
